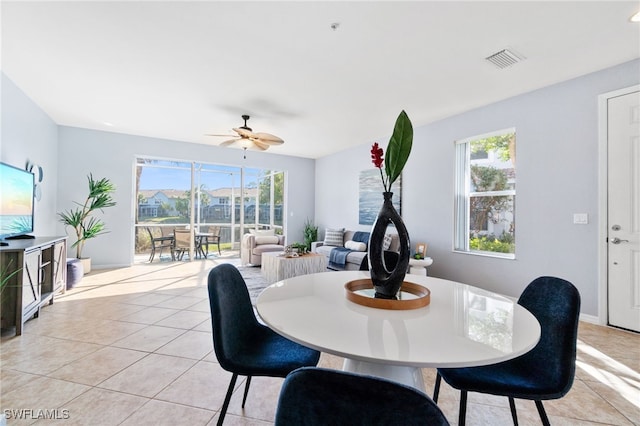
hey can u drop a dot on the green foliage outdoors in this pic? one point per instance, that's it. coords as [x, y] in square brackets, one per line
[264, 188]
[504, 145]
[493, 244]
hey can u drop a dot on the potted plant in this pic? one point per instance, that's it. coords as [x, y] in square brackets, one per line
[310, 233]
[82, 218]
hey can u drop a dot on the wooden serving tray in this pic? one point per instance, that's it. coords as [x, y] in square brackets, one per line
[423, 296]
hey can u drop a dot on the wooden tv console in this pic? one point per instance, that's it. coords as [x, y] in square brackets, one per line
[42, 265]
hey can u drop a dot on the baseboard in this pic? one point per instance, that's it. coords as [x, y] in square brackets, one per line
[590, 319]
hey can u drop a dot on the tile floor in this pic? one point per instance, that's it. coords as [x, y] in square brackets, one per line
[133, 346]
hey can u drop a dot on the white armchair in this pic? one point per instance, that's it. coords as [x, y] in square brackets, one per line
[253, 246]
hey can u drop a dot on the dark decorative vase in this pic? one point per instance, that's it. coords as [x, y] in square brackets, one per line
[387, 282]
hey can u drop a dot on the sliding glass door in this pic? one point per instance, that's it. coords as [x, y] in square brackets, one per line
[175, 194]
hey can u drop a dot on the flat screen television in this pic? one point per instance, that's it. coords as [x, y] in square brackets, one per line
[16, 201]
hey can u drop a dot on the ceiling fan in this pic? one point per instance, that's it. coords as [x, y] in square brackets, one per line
[246, 138]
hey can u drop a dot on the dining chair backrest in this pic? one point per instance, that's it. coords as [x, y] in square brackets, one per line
[242, 345]
[319, 396]
[556, 305]
[232, 317]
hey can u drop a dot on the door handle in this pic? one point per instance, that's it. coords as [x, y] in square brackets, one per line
[617, 240]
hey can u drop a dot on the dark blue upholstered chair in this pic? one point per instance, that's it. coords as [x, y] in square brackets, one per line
[319, 396]
[545, 372]
[242, 345]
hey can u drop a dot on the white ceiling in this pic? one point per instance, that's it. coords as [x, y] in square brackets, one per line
[179, 70]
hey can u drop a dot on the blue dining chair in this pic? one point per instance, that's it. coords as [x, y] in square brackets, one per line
[320, 396]
[547, 371]
[242, 345]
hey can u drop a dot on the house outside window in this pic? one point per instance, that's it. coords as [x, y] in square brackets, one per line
[485, 194]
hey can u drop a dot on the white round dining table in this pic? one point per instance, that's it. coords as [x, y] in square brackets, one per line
[462, 326]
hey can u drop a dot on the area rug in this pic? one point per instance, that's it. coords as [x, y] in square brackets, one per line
[255, 282]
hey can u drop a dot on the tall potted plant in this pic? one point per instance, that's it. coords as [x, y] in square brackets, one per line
[82, 218]
[310, 233]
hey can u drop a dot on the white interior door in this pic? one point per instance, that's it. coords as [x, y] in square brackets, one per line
[623, 203]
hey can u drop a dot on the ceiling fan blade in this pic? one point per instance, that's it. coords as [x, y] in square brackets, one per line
[229, 142]
[259, 145]
[220, 136]
[268, 138]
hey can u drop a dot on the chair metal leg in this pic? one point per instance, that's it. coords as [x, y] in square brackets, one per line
[153, 253]
[462, 415]
[543, 413]
[246, 390]
[512, 407]
[227, 399]
[436, 389]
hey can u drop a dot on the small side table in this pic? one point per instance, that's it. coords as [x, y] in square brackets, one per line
[276, 267]
[419, 266]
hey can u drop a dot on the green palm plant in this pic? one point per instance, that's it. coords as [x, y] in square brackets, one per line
[81, 218]
[5, 275]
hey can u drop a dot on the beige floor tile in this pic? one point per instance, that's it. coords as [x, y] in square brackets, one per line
[149, 339]
[150, 299]
[583, 403]
[102, 407]
[148, 376]
[184, 319]
[192, 344]
[204, 326]
[202, 306]
[624, 396]
[179, 302]
[149, 315]
[98, 366]
[12, 380]
[49, 356]
[42, 393]
[156, 412]
[262, 399]
[203, 386]
[105, 332]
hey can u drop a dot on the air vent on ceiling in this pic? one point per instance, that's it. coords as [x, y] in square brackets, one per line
[505, 58]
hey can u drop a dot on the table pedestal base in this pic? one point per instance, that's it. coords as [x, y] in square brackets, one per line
[410, 376]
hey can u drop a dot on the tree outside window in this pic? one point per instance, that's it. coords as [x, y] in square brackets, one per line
[486, 194]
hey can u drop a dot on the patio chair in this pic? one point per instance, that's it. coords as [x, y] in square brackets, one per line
[182, 242]
[159, 243]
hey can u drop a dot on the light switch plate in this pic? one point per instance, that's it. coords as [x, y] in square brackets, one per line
[580, 218]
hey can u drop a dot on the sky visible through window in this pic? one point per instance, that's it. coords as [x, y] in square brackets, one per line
[154, 177]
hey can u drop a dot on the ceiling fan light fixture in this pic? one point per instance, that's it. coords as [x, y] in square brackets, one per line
[246, 138]
[635, 18]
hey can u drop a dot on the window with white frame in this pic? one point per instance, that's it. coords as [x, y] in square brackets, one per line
[485, 194]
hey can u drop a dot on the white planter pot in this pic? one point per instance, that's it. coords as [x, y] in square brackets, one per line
[86, 264]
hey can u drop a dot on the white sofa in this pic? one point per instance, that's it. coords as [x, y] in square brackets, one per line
[353, 258]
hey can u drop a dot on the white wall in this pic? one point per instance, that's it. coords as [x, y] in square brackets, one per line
[28, 134]
[557, 172]
[112, 155]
